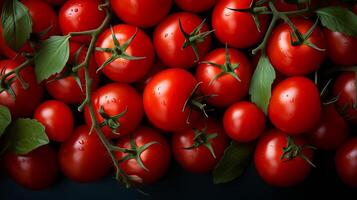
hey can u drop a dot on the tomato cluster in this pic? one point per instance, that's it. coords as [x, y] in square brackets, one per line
[175, 80]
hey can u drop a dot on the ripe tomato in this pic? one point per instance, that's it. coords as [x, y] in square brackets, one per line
[235, 28]
[227, 88]
[295, 105]
[346, 162]
[83, 157]
[57, 118]
[80, 15]
[195, 5]
[26, 100]
[331, 131]
[123, 69]
[35, 170]
[300, 59]
[156, 68]
[173, 48]
[277, 170]
[165, 99]
[55, 2]
[191, 147]
[141, 13]
[244, 121]
[155, 157]
[115, 99]
[64, 86]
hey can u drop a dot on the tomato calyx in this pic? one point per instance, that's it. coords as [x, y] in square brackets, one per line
[111, 121]
[293, 150]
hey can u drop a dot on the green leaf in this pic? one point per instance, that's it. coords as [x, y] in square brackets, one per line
[16, 24]
[51, 57]
[25, 135]
[262, 80]
[235, 160]
[338, 19]
[5, 119]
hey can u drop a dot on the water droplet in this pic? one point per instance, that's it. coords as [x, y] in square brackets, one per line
[81, 142]
[227, 13]
[166, 34]
[76, 10]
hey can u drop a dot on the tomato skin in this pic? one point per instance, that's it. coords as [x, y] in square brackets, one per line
[26, 100]
[122, 70]
[331, 131]
[346, 162]
[156, 68]
[168, 40]
[83, 158]
[195, 6]
[225, 84]
[295, 60]
[80, 15]
[237, 29]
[55, 2]
[156, 158]
[141, 13]
[244, 121]
[273, 170]
[115, 98]
[57, 118]
[295, 105]
[200, 159]
[36, 170]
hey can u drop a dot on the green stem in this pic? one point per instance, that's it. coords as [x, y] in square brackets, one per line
[14, 71]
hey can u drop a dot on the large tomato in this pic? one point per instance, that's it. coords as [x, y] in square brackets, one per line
[346, 162]
[195, 5]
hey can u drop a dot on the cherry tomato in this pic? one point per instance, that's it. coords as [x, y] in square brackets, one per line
[195, 6]
[83, 157]
[26, 100]
[173, 48]
[55, 2]
[123, 69]
[141, 84]
[235, 28]
[278, 171]
[155, 158]
[346, 162]
[295, 105]
[35, 170]
[191, 146]
[57, 118]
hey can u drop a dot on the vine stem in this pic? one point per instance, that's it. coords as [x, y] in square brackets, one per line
[15, 71]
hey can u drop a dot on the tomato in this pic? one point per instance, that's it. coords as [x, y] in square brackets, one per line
[55, 2]
[64, 86]
[83, 157]
[195, 5]
[165, 99]
[35, 170]
[26, 100]
[295, 105]
[173, 48]
[155, 157]
[141, 84]
[244, 121]
[122, 69]
[115, 99]
[141, 13]
[346, 162]
[57, 118]
[277, 170]
[331, 131]
[235, 28]
[191, 146]
[80, 15]
[296, 60]
[222, 85]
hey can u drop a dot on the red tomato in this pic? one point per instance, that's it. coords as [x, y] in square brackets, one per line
[155, 158]
[55, 2]
[173, 49]
[274, 169]
[235, 28]
[226, 86]
[141, 13]
[83, 157]
[35, 170]
[26, 100]
[80, 15]
[191, 146]
[331, 131]
[346, 162]
[195, 5]
[115, 99]
[244, 121]
[141, 84]
[122, 69]
[295, 105]
[57, 118]
[65, 88]
[296, 60]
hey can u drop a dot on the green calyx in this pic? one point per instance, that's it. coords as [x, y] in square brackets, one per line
[111, 121]
[293, 150]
